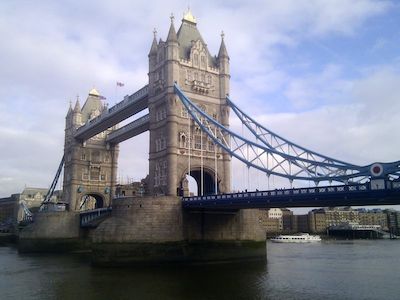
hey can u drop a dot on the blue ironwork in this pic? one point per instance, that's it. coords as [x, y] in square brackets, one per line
[340, 195]
[275, 155]
[53, 185]
[90, 218]
[28, 215]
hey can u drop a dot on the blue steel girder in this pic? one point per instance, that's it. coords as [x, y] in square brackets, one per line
[274, 141]
[50, 192]
[323, 196]
[277, 156]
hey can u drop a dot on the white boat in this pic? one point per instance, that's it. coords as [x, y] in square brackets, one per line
[302, 238]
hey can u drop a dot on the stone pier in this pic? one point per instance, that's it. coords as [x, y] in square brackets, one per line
[51, 232]
[157, 230]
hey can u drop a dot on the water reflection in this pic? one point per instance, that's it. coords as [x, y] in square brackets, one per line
[72, 277]
[166, 282]
[333, 270]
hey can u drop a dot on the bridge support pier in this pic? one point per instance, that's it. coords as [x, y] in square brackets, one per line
[51, 232]
[147, 230]
[225, 235]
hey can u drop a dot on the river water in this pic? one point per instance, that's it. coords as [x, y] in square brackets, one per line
[362, 269]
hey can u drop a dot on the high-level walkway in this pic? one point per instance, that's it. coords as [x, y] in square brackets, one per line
[128, 107]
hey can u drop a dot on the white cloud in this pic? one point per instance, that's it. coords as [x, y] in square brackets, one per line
[52, 51]
[318, 88]
[361, 131]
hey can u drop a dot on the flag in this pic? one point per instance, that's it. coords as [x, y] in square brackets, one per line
[120, 83]
[102, 97]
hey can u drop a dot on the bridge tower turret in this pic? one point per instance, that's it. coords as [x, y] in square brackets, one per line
[223, 65]
[177, 145]
[90, 166]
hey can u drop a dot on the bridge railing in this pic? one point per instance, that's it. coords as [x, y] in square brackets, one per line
[116, 108]
[284, 192]
[86, 217]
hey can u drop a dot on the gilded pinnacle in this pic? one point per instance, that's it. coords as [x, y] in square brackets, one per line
[189, 17]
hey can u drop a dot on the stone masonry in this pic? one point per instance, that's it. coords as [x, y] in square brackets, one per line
[174, 138]
[90, 167]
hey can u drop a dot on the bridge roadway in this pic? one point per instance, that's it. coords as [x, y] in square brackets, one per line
[326, 196]
[128, 107]
[90, 218]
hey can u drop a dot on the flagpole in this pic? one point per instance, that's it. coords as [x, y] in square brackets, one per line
[118, 84]
[115, 94]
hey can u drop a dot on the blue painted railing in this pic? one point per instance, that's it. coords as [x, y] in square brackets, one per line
[90, 216]
[360, 194]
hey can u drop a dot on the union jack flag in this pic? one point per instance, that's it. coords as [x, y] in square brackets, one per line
[120, 83]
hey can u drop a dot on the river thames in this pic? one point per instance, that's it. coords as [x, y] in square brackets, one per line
[362, 269]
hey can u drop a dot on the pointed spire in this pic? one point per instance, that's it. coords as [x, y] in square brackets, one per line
[70, 108]
[222, 49]
[153, 49]
[94, 92]
[77, 107]
[172, 37]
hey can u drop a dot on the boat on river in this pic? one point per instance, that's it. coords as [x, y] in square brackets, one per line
[301, 238]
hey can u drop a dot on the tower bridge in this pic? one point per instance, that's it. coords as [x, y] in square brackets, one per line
[188, 121]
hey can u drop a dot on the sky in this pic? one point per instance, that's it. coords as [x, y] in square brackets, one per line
[323, 74]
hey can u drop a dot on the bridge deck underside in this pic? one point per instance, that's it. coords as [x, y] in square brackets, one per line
[129, 131]
[110, 119]
[358, 198]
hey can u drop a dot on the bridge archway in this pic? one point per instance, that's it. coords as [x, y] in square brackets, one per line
[194, 178]
[91, 201]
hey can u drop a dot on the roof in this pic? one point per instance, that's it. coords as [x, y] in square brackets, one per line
[33, 191]
[7, 199]
[189, 17]
[94, 92]
[93, 103]
[187, 33]
[172, 33]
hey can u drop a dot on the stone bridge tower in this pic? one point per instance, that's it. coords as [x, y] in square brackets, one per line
[177, 145]
[90, 166]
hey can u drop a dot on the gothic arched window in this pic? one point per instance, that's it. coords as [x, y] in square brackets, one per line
[203, 61]
[183, 140]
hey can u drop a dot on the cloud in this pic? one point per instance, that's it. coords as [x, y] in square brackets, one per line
[317, 89]
[360, 131]
[63, 49]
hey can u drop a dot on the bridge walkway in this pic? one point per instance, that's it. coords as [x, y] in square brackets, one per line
[341, 195]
